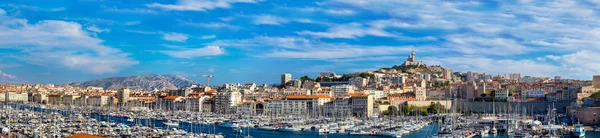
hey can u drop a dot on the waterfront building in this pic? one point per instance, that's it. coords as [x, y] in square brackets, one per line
[122, 96]
[399, 98]
[420, 93]
[362, 105]
[55, 99]
[171, 103]
[535, 94]
[501, 94]
[341, 90]
[225, 102]
[285, 78]
[69, 99]
[9, 97]
[481, 88]
[470, 90]
[296, 92]
[338, 107]
[99, 100]
[40, 98]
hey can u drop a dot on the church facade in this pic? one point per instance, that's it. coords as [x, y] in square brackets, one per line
[412, 61]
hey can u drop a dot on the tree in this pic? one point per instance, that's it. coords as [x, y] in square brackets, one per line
[306, 78]
[483, 95]
[595, 96]
[392, 110]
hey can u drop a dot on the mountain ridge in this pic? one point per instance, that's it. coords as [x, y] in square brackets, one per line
[145, 82]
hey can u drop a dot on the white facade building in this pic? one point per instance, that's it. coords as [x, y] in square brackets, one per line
[226, 101]
[341, 90]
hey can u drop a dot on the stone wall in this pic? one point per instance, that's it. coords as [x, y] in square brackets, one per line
[446, 103]
[537, 107]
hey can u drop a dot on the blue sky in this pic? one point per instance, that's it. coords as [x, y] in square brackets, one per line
[256, 40]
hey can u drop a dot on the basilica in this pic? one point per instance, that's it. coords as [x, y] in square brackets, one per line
[411, 61]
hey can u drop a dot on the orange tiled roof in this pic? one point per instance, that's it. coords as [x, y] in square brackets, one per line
[306, 97]
[171, 97]
[195, 93]
[358, 95]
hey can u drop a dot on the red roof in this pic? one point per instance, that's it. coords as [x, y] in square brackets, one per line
[171, 97]
[306, 97]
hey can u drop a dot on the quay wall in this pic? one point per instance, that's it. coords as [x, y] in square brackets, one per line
[537, 107]
[446, 103]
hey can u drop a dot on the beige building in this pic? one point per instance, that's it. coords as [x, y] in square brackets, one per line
[40, 98]
[225, 102]
[14, 97]
[99, 100]
[55, 99]
[341, 90]
[122, 96]
[362, 105]
[69, 99]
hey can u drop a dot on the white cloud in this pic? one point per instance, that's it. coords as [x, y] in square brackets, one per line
[553, 57]
[212, 25]
[337, 52]
[4, 75]
[57, 9]
[376, 58]
[95, 29]
[195, 52]
[226, 19]
[341, 12]
[348, 31]
[265, 41]
[176, 37]
[581, 64]
[482, 45]
[132, 23]
[141, 11]
[195, 5]
[6, 78]
[55, 43]
[269, 20]
[2, 12]
[302, 48]
[495, 66]
[141, 32]
[209, 37]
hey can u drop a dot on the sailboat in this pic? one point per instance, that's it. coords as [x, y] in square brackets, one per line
[494, 130]
[172, 123]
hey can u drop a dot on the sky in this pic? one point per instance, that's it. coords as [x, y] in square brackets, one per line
[239, 41]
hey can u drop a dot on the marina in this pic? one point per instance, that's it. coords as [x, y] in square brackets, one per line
[30, 120]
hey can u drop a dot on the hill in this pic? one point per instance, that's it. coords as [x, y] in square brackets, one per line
[144, 82]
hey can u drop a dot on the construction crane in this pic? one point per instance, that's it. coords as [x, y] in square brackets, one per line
[208, 79]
